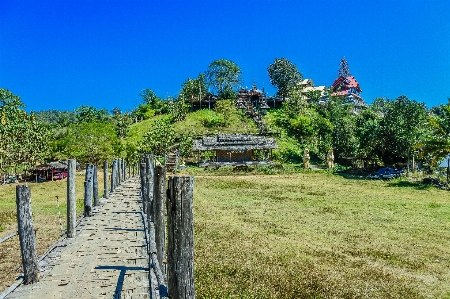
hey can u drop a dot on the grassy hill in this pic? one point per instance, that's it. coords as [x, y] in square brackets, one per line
[200, 122]
[209, 122]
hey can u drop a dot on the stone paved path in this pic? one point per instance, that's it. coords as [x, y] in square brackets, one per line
[107, 259]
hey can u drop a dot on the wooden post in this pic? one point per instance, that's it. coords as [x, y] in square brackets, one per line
[143, 176]
[159, 215]
[26, 235]
[180, 255]
[150, 181]
[88, 190]
[95, 186]
[124, 169]
[120, 171]
[105, 179]
[113, 175]
[118, 182]
[71, 199]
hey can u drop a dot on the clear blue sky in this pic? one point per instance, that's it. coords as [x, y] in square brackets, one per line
[62, 54]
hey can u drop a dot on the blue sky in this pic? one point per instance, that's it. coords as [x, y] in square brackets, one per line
[62, 54]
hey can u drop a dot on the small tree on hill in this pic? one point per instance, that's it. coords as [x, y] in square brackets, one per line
[224, 76]
[284, 75]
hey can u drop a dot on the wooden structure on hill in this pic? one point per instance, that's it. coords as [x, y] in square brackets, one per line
[308, 90]
[347, 86]
[204, 101]
[254, 105]
[234, 149]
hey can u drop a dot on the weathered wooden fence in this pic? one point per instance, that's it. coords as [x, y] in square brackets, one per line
[26, 231]
[162, 200]
[174, 267]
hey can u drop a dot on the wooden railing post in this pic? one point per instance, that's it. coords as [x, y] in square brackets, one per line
[120, 170]
[71, 200]
[159, 215]
[113, 175]
[88, 190]
[26, 235]
[143, 177]
[95, 186]
[180, 255]
[105, 180]
[150, 181]
[124, 169]
[118, 182]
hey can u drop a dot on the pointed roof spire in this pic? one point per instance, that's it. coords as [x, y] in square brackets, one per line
[344, 70]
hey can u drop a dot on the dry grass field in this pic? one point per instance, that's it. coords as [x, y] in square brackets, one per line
[302, 235]
[317, 235]
[45, 219]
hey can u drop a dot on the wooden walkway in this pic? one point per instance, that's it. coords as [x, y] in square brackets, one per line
[107, 259]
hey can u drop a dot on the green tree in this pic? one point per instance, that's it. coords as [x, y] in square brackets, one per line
[341, 116]
[91, 142]
[185, 142]
[122, 122]
[91, 114]
[436, 144]
[142, 112]
[23, 139]
[153, 102]
[367, 133]
[193, 89]
[284, 75]
[151, 105]
[224, 76]
[402, 125]
[131, 153]
[159, 139]
[55, 117]
[178, 109]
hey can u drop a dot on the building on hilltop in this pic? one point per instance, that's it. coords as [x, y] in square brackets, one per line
[309, 90]
[347, 86]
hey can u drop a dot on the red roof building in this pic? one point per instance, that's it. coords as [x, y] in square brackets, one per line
[346, 85]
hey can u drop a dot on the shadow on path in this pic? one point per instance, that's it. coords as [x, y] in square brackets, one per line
[123, 270]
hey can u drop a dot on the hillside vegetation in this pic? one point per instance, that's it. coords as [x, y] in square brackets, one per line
[198, 123]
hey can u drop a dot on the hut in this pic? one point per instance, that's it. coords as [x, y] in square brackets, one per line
[234, 149]
[49, 171]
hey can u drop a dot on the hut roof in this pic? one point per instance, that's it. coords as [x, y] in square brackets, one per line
[50, 165]
[234, 142]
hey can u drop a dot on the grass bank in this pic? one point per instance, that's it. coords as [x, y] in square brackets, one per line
[317, 235]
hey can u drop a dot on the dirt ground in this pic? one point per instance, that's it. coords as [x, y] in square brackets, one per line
[10, 257]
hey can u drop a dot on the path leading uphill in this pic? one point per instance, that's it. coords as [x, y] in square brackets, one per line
[107, 258]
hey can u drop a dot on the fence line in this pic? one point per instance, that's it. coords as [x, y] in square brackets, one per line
[175, 200]
[7, 237]
[27, 235]
[24, 219]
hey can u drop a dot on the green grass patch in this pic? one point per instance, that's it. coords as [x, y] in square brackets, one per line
[318, 235]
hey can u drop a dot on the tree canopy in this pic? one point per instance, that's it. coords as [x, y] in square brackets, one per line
[284, 75]
[23, 140]
[224, 76]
